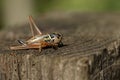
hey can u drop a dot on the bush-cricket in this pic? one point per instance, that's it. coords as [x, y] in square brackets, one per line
[39, 40]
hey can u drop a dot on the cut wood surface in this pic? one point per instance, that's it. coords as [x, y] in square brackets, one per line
[91, 49]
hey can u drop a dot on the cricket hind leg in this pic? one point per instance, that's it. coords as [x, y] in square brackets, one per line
[37, 46]
[18, 47]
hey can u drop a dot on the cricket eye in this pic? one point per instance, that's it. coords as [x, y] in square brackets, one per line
[58, 36]
[53, 40]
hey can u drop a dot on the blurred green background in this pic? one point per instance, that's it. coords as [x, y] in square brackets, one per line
[1, 15]
[77, 5]
[43, 6]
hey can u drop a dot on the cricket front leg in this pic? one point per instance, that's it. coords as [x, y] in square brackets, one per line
[55, 46]
[60, 44]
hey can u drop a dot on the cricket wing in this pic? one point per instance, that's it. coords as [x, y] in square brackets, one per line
[34, 28]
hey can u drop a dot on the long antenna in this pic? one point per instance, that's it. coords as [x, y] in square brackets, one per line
[31, 27]
[32, 22]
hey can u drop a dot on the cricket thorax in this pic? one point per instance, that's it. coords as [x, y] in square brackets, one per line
[53, 38]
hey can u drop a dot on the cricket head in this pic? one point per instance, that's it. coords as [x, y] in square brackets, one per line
[56, 37]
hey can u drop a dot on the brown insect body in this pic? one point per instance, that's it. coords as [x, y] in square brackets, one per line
[39, 41]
